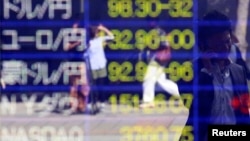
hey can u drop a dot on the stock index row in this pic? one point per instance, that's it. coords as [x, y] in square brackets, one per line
[109, 9]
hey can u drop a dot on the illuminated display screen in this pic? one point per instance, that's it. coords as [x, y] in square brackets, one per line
[42, 76]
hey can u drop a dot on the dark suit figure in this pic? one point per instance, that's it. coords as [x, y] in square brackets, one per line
[221, 95]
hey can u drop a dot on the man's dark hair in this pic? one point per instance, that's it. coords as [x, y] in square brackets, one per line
[92, 30]
[212, 23]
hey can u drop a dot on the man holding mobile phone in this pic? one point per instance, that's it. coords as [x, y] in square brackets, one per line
[219, 80]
